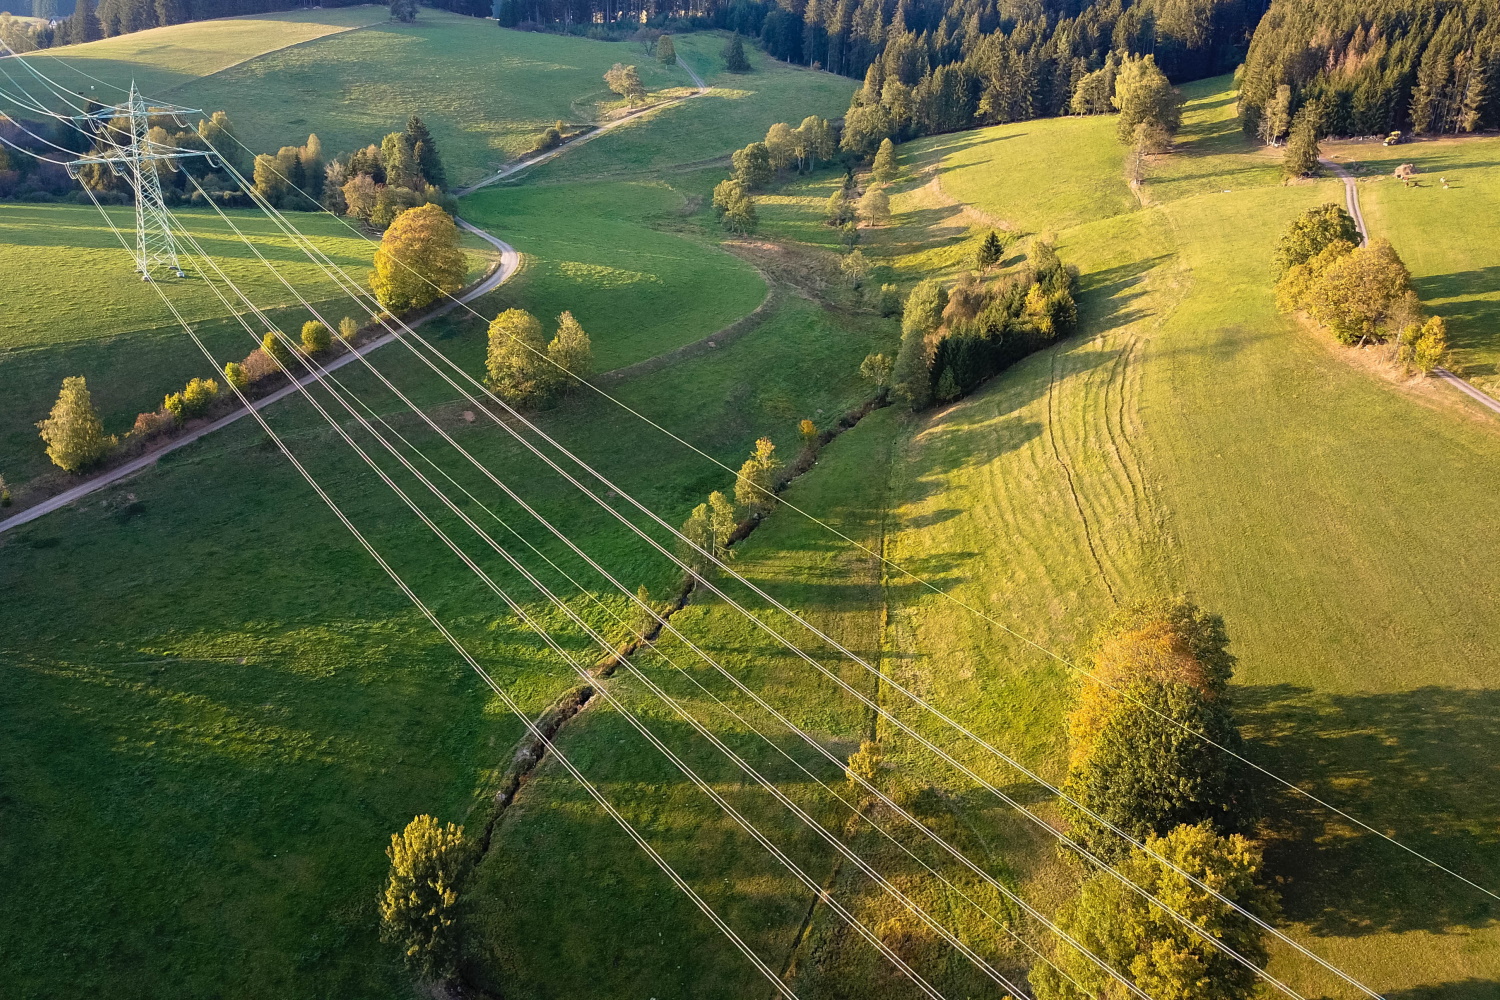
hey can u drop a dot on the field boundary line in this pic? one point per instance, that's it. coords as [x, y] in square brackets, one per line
[503, 271]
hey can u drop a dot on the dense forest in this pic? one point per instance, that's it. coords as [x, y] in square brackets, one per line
[1374, 66]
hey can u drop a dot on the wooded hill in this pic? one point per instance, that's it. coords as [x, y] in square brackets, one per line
[1374, 66]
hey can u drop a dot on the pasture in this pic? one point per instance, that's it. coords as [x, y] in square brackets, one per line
[1439, 232]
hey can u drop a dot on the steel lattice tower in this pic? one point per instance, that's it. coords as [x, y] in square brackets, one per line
[139, 160]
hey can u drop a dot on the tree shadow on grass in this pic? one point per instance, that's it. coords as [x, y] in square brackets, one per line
[1459, 989]
[1473, 320]
[1418, 765]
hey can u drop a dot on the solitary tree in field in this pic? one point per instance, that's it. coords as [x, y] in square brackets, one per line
[626, 82]
[666, 50]
[1150, 947]
[348, 327]
[885, 168]
[73, 431]
[419, 259]
[991, 251]
[571, 349]
[875, 206]
[419, 908]
[316, 338]
[734, 56]
[517, 363]
[754, 488]
[404, 10]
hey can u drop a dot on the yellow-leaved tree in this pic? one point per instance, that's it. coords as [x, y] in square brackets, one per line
[419, 906]
[419, 260]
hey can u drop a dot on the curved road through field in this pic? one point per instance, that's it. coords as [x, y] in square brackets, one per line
[1351, 200]
[510, 261]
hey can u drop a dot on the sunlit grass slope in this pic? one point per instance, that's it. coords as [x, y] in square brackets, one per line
[486, 93]
[218, 712]
[1190, 439]
[74, 306]
[607, 252]
[162, 58]
[738, 111]
[1443, 234]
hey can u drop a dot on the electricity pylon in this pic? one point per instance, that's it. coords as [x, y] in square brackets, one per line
[126, 128]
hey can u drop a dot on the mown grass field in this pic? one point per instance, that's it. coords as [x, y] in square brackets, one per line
[215, 703]
[1455, 261]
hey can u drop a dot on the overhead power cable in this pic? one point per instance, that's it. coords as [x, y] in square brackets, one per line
[536, 733]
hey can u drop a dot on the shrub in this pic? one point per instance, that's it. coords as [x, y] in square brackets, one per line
[888, 300]
[5, 497]
[236, 375]
[1425, 346]
[864, 763]
[273, 345]
[348, 327]
[316, 338]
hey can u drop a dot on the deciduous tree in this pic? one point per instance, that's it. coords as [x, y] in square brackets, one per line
[754, 487]
[723, 521]
[1302, 151]
[1150, 947]
[1310, 233]
[419, 259]
[420, 905]
[666, 50]
[1143, 95]
[1424, 347]
[571, 349]
[517, 361]
[73, 431]
[626, 82]
[875, 205]
[752, 166]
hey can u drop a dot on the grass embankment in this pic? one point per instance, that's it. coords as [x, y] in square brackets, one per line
[487, 94]
[1442, 234]
[607, 252]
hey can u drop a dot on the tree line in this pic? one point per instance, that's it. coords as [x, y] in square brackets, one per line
[95, 19]
[1366, 67]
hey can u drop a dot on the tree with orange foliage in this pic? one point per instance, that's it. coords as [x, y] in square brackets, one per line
[1142, 753]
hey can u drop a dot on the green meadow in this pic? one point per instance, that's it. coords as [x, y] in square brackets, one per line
[487, 95]
[218, 709]
[1454, 262]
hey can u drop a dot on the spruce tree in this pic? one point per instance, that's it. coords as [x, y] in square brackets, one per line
[1301, 157]
[991, 251]
[734, 56]
[885, 168]
[425, 151]
[73, 431]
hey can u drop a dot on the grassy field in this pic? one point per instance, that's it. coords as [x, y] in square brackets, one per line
[102, 322]
[608, 253]
[1456, 263]
[738, 111]
[487, 94]
[161, 59]
[1191, 440]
